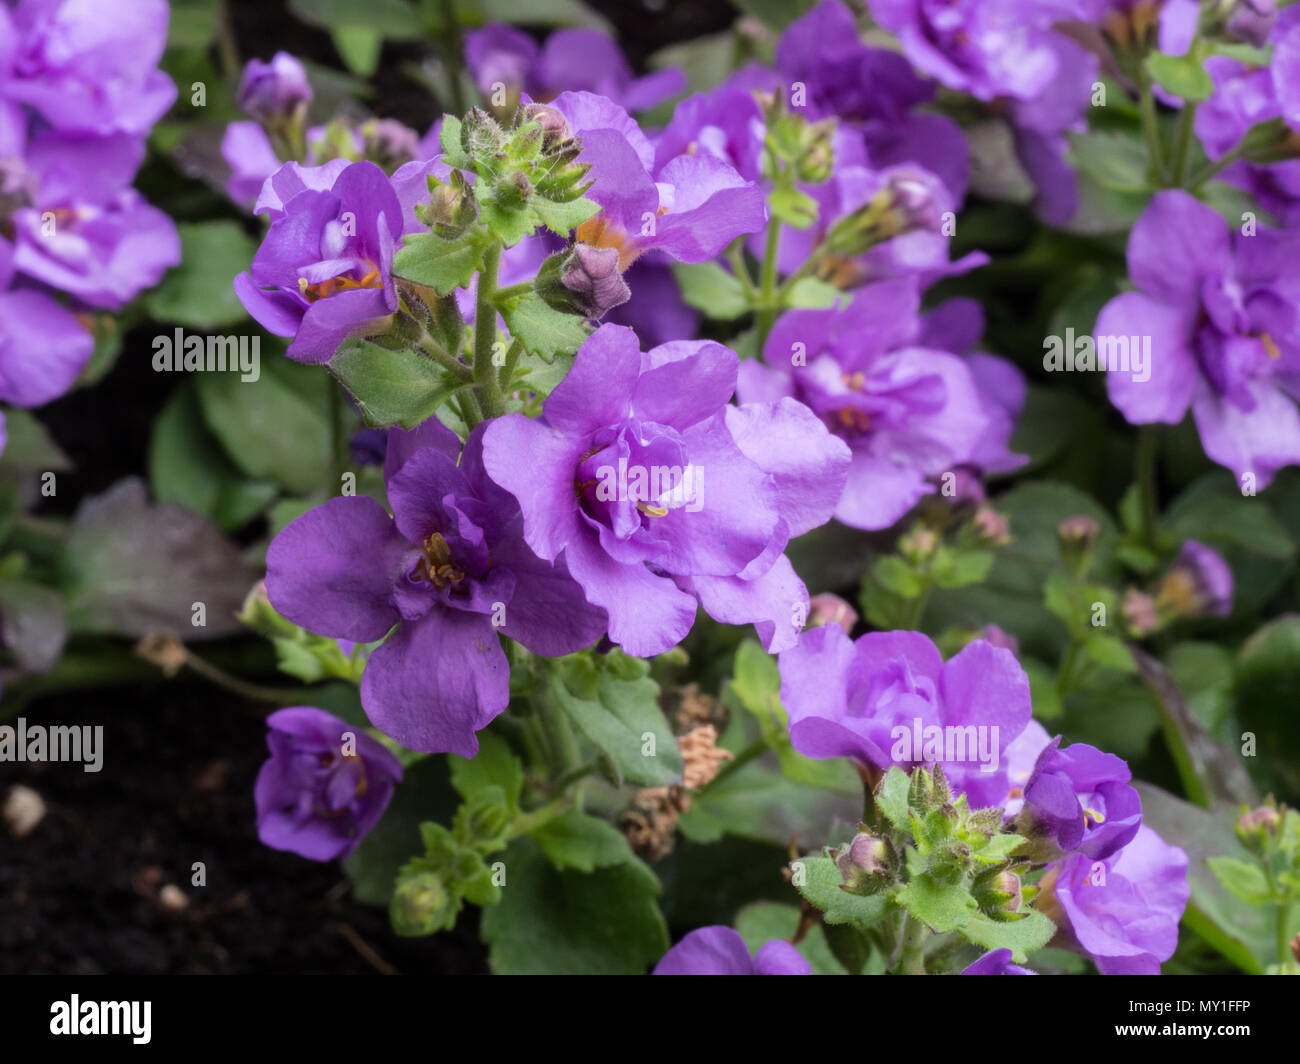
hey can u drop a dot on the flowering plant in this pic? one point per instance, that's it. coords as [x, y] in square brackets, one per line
[683, 500]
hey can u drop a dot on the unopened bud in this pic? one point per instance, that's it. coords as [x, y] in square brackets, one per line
[1077, 537]
[992, 526]
[555, 127]
[999, 896]
[866, 865]
[421, 905]
[276, 91]
[585, 280]
[831, 609]
[1140, 612]
[1257, 827]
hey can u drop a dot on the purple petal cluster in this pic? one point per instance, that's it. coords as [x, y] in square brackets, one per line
[1080, 799]
[79, 90]
[908, 411]
[996, 962]
[450, 569]
[324, 270]
[720, 950]
[582, 60]
[326, 784]
[656, 492]
[1122, 911]
[855, 699]
[1219, 310]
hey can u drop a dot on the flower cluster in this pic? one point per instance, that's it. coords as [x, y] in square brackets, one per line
[79, 91]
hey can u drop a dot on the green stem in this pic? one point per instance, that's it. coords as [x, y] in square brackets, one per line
[490, 397]
[1147, 451]
[1150, 125]
[440, 355]
[912, 961]
[531, 821]
[739, 267]
[1066, 672]
[338, 435]
[753, 750]
[1209, 170]
[1282, 907]
[453, 49]
[1183, 144]
[767, 301]
[510, 291]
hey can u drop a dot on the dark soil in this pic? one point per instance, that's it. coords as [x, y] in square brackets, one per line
[84, 893]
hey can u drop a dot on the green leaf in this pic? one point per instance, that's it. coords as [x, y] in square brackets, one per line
[495, 765]
[131, 568]
[392, 387]
[1182, 75]
[891, 798]
[585, 843]
[562, 217]
[792, 205]
[709, 288]
[29, 445]
[1116, 160]
[1109, 651]
[540, 328]
[359, 48]
[1267, 679]
[942, 906]
[1021, 937]
[391, 19]
[809, 293]
[1243, 879]
[188, 466]
[273, 428]
[968, 567]
[199, 292]
[443, 265]
[622, 718]
[897, 576]
[818, 880]
[558, 922]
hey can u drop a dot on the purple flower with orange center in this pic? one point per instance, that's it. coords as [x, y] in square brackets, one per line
[324, 270]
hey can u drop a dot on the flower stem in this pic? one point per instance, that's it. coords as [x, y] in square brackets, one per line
[486, 385]
[767, 292]
[1150, 124]
[1182, 144]
[912, 960]
[1147, 450]
[452, 49]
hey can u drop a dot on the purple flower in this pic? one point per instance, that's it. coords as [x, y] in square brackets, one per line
[1219, 311]
[657, 492]
[1123, 912]
[1080, 800]
[719, 950]
[78, 227]
[43, 348]
[988, 48]
[887, 698]
[326, 785]
[690, 208]
[450, 569]
[87, 66]
[997, 962]
[583, 60]
[1199, 584]
[275, 90]
[248, 152]
[323, 272]
[907, 412]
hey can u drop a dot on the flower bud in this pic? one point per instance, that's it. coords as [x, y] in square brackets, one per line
[1140, 612]
[813, 164]
[421, 905]
[388, 143]
[1077, 537]
[276, 91]
[1258, 827]
[866, 865]
[555, 128]
[584, 280]
[992, 526]
[831, 609]
[999, 896]
[1252, 21]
